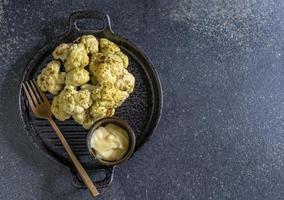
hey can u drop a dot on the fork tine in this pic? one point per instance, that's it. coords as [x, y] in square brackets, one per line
[31, 103]
[44, 98]
[32, 93]
[35, 91]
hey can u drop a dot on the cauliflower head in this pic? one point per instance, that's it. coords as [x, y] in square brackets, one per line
[102, 87]
[77, 77]
[77, 57]
[51, 79]
[61, 51]
[108, 47]
[91, 43]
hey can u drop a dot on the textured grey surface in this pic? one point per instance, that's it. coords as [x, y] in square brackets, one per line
[221, 66]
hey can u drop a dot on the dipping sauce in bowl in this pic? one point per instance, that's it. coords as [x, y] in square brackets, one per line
[111, 141]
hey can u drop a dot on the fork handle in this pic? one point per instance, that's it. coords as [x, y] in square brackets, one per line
[85, 177]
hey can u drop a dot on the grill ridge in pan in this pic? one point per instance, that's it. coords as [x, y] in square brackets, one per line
[141, 110]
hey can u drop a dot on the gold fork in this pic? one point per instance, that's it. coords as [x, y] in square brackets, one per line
[40, 106]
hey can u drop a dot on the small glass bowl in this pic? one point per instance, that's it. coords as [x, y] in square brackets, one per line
[120, 123]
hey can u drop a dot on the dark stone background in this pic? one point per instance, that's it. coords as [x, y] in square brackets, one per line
[221, 67]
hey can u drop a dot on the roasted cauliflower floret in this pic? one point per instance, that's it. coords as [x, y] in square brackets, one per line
[126, 83]
[61, 51]
[123, 57]
[83, 100]
[56, 110]
[99, 111]
[85, 119]
[73, 102]
[51, 79]
[109, 96]
[91, 43]
[104, 95]
[105, 68]
[103, 72]
[77, 57]
[120, 97]
[67, 99]
[115, 60]
[98, 57]
[77, 77]
[108, 47]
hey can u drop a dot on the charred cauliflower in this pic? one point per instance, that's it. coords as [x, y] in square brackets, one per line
[99, 111]
[108, 47]
[51, 79]
[126, 83]
[77, 77]
[85, 119]
[105, 68]
[77, 57]
[96, 80]
[57, 111]
[123, 58]
[66, 100]
[72, 101]
[109, 96]
[60, 52]
[91, 43]
[83, 100]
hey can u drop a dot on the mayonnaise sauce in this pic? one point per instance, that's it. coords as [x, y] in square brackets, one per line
[110, 142]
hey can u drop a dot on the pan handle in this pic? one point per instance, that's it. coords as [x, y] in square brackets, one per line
[88, 14]
[106, 181]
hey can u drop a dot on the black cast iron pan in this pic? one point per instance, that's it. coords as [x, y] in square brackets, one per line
[141, 110]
